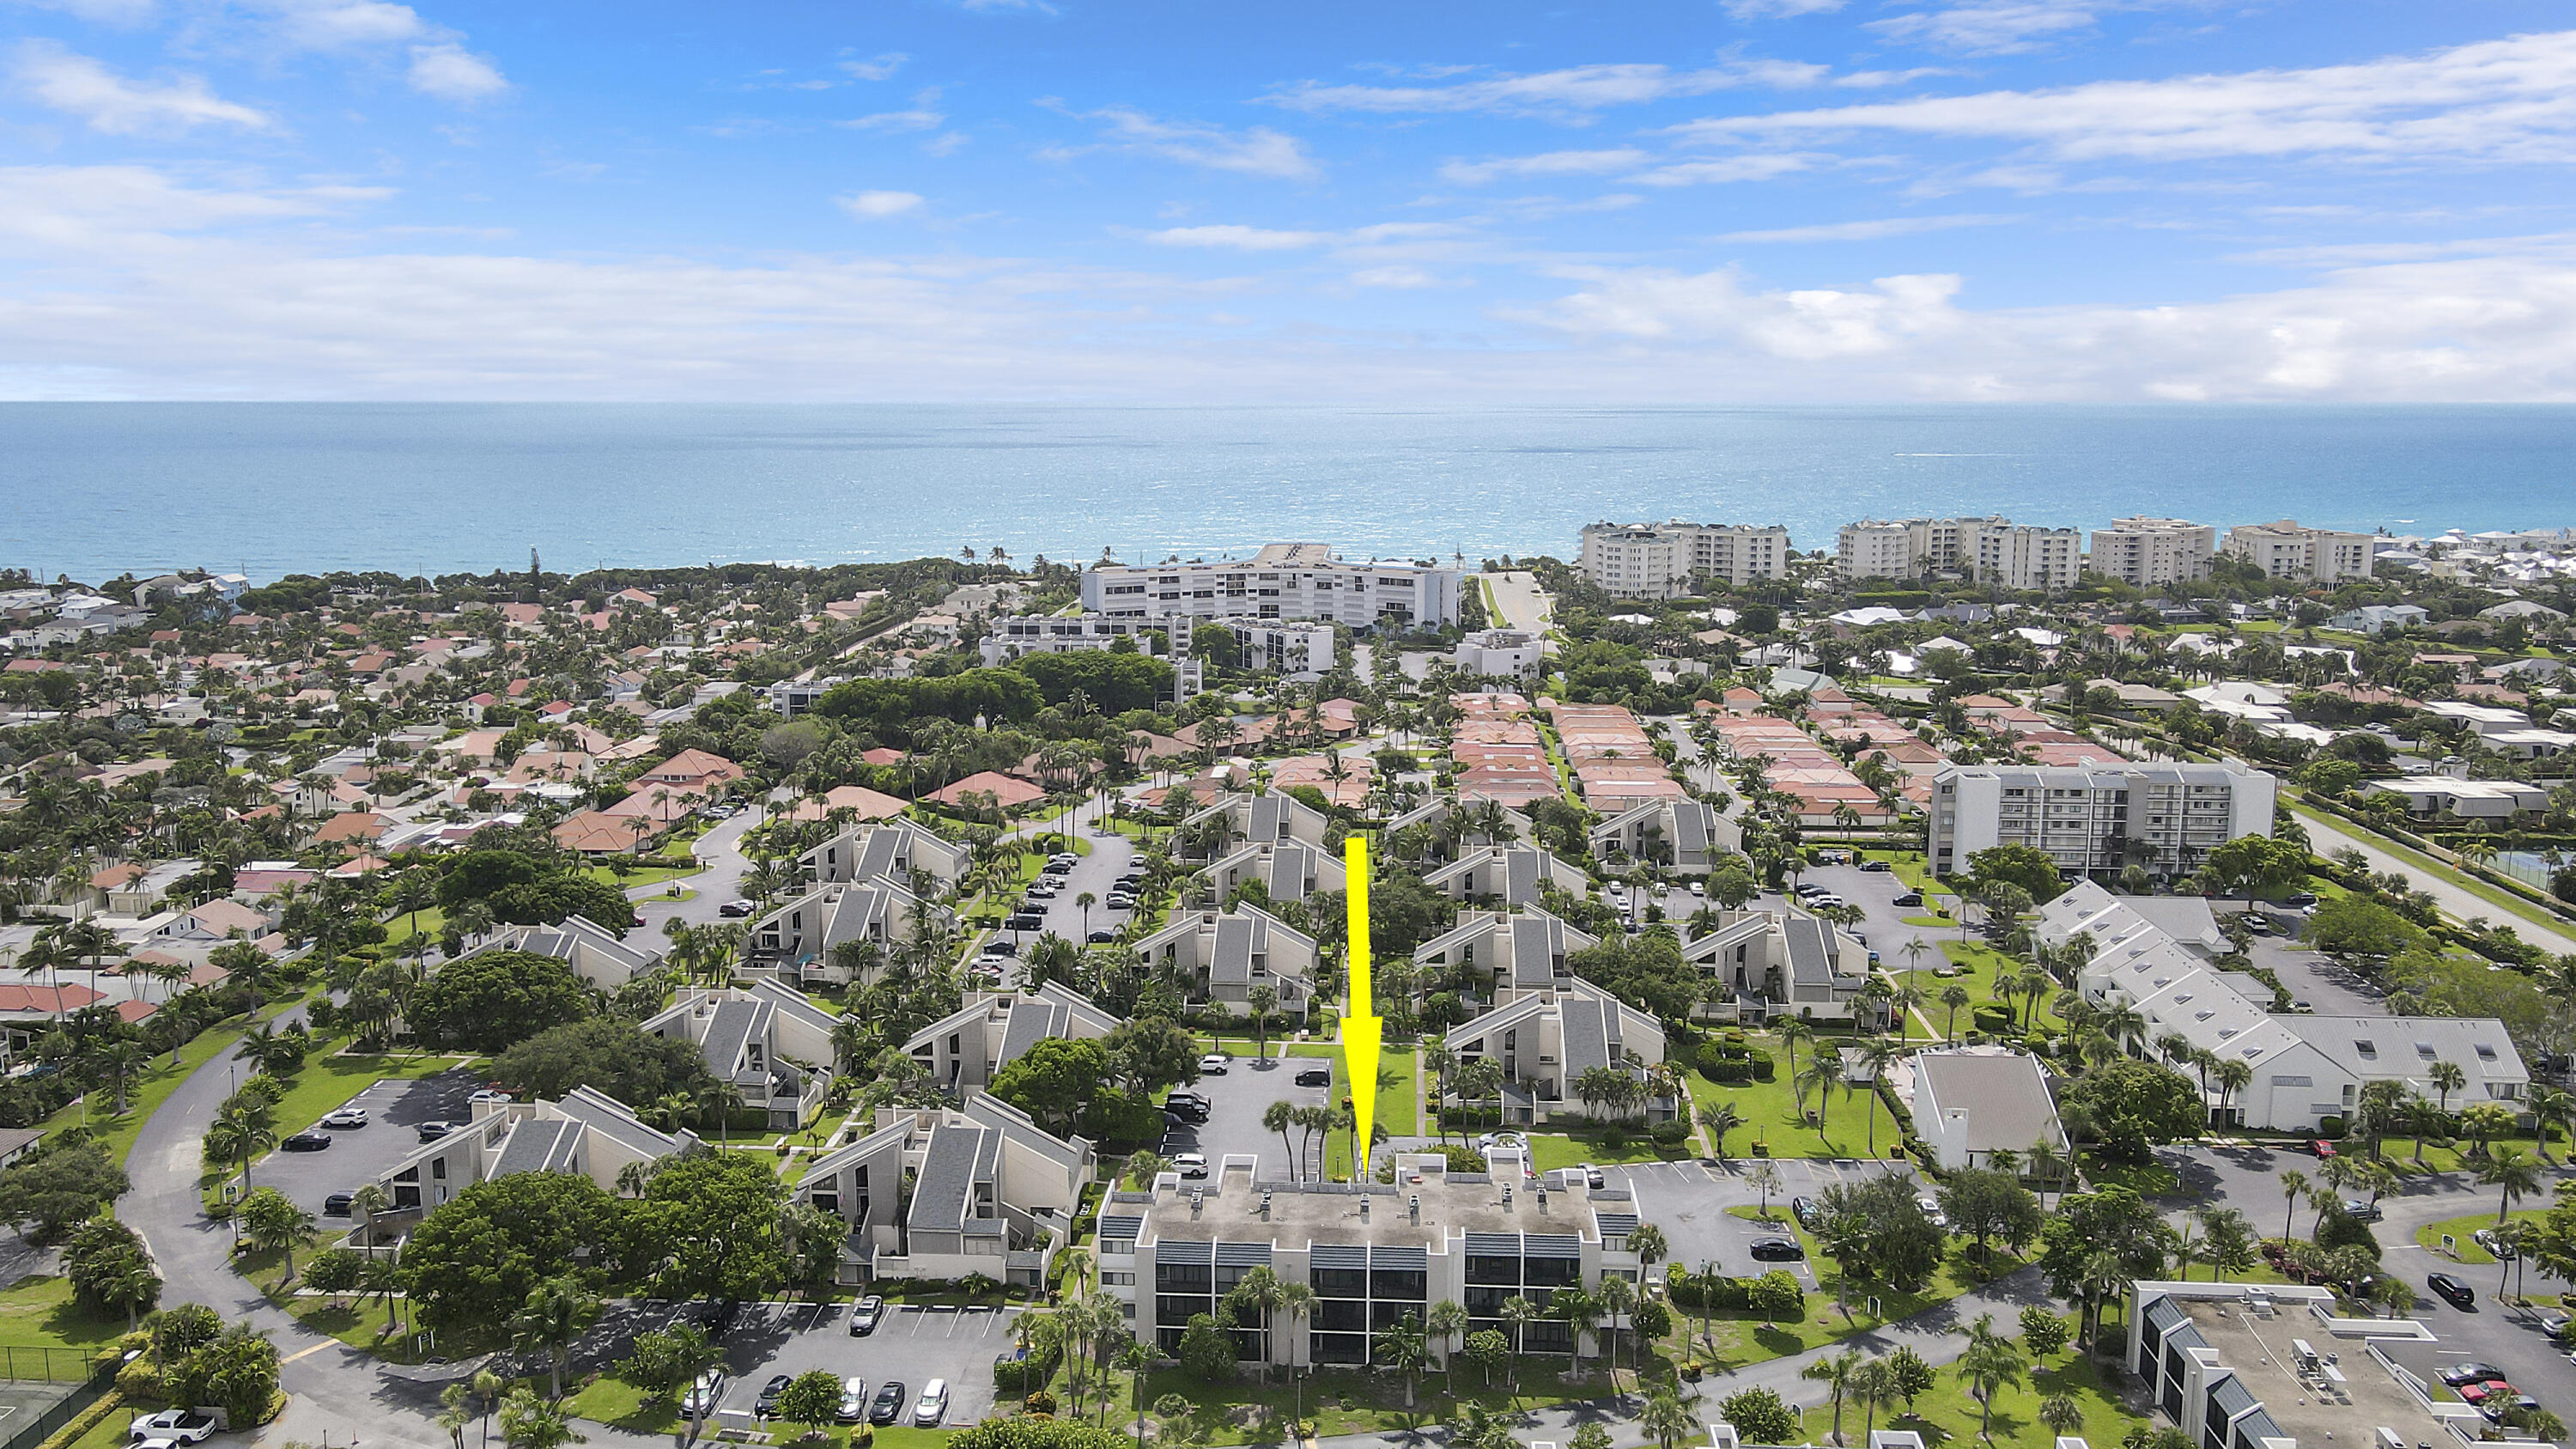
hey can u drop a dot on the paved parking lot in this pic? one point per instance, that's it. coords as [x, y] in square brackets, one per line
[1689, 1201]
[1094, 873]
[2317, 979]
[1235, 1104]
[360, 1155]
[912, 1346]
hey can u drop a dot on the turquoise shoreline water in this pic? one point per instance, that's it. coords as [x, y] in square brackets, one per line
[92, 489]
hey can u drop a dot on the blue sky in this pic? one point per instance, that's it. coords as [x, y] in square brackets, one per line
[1728, 200]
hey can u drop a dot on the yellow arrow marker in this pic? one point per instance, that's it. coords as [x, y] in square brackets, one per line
[1360, 1026]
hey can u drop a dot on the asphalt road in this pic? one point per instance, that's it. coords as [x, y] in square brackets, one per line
[359, 1155]
[1236, 1101]
[2329, 836]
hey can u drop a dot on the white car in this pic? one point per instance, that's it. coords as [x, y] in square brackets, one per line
[1192, 1165]
[1214, 1064]
[1932, 1210]
[173, 1426]
[347, 1117]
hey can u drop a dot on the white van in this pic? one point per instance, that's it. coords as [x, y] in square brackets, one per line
[933, 1406]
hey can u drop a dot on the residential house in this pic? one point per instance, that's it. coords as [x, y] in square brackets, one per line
[1688, 837]
[1288, 870]
[897, 850]
[1781, 964]
[1510, 875]
[1546, 1040]
[966, 1050]
[766, 1040]
[1225, 954]
[1240, 818]
[801, 935]
[587, 1132]
[1969, 1105]
[1511, 953]
[595, 953]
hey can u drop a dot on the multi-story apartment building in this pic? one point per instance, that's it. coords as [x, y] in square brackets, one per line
[1664, 560]
[2018, 556]
[2167, 818]
[942, 1192]
[2281, 1366]
[763, 1040]
[1299, 651]
[2153, 552]
[1009, 638]
[1509, 653]
[1283, 581]
[2284, 550]
[1370, 1253]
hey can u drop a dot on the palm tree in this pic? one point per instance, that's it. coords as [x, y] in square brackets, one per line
[1820, 1074]
[121, 1060]
[1835, 1373]
[2234, 1075]
[1135, 1359]
[2513, 1175]
[1617, 1297]
[1954, 996]
[1448, 1319]
[1666, 1421]
[1263, 999]
[558, 1310]
[1519, 1313]
[1278, 1117]
[240, 1135]
[2294, 1185]
[1579, 1310]
[2061, 1414]
[1990, 1362]
[1404, 1349]
[1719, 1119]
[1259, 1297]
[1878, 1055]
[2045, 1163]
[718, 1101]
[1298, 1302]
[2446, 1077]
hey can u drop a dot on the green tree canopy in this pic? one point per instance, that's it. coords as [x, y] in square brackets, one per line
[2026, 866]
[475, 1258]
[493, 1000]
[708, 1226]
[634, 1066]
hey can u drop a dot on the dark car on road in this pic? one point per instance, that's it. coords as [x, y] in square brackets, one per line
[889, 1403]
[1878, 867]
[865, 1315]
[432, 1131]
[1910, 898]
[2470, 1373]
[308, 1142]
[1315, 1077]
[1807, 1212]
[767, 1404]
[2454, 1292]
[1777, 1250]
[338, 1205]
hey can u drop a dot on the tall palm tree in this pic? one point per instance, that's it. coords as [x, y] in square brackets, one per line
[1259, 1298]
[1445, 1322]
[1989, 1362]
[1666, 1421]
[2513, 1175]
[1835, 1373]
[1297, 1301]
[1579, 1310]
[558, 1311]
[1405, 1349]
[2294, 1185]
[1519, 1313]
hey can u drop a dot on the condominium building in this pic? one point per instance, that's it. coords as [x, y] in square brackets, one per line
[1008, 638]
[2018, 556]
[2167, 818]
[2284, 550]
[1508, 653]
[2153, 552]
[1299, 651]
[943, 1192]
[1371, 1253]
[1664, 560]
[1283, 581]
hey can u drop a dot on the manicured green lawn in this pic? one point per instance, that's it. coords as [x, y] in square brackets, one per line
[1948, 1413]
[1978, 965]
[2459, 1229]
[1552, 1150]
[621, 1405]
[1739, 1337]
[1771, 1120]
[642, 875]
[38, 1312]
[2439, 1155]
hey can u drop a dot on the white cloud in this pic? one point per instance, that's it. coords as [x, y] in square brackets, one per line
[121, 13]
[451, 73]
[922, 117]
[1989, 27]
[1757, 167]
[340, 24]
[1571, 91]
[1261, 239]
[1804, 325]
[1257, 152]
[81, 87]
[1866, 230]
[2511, 100]
[878, 68]
[1778, 9]
[878, 205]
[1394, 277]
[119, 207]
[1551, 163]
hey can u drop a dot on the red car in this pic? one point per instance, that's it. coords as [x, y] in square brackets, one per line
[2323, 1148]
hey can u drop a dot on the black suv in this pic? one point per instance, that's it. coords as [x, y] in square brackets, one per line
[1315, 1077]
[2455, 1292]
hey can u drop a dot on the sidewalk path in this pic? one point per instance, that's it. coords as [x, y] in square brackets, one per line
[2329, 835]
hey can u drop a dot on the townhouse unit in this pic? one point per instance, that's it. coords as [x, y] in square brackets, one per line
[896, 850]
[2307, 1068]
[595, 954]
[967, 1049]
[2284, 550]
[2167, 818]
[2375, 619]
[1449, 824]
[2018, 556]
[1547, 1039]
[1224, 955]
[1287, 870]
[2153, 552]
[772, 1044]
[1237, 818]
[1669, 560]
[872, 918]
[587, 1132]
[2277, 1366]
[1969, 1104]
[1510, 952]
[945, 1192]
[1371, 1253]
[1283, 581]
[1500, 653]
[1510, 875]
[1780, 963]
[1685, 836]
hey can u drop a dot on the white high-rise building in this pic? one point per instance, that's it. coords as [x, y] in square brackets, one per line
[1665, 560]
[2167, 818]
[2018, 556]
[2153, 552]
[2284, 550]
[1283, 581]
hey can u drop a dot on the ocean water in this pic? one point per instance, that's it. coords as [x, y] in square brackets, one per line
[93, 489]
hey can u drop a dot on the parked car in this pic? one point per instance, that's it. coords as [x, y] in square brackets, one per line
[2455, 1292]
[432, 1131]
[704, 1391]
[2497, 1247]
[338, 1205]
[2362, 1210]
[1192, 1165]
[1315, 1077]
[766, 1406]
[184, 1425]
[2471, 1372]
[1932, 1210]
[865, 1315]
[1102, 938]
[2498, 1405]
[2322, 1148]
[854, 1400]
[2257, 925]
[1877, 867]
[889, 1403]
[308, 1142]
[347, 1118]
[1699, 890]
[1213, 1064]
[1777, 1250]
[1910, 898]
[2556, 1322]
[736, 907]
[933, 1405]
[1118, 900]
[1591, 1175]
[1807, 1211]
[1001, 948]
[1025, 921]
[1187, 1109]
